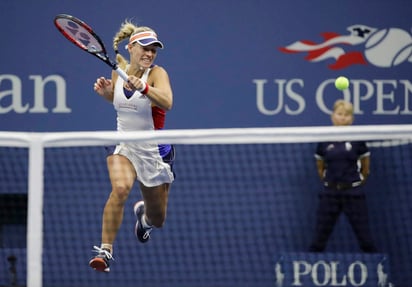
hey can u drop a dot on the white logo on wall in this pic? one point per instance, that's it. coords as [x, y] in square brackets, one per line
[384, 96]
[325, 273]
[13, 100]
[383, 48]
[364, 45]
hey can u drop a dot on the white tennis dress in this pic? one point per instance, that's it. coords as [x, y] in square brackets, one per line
[135, 112]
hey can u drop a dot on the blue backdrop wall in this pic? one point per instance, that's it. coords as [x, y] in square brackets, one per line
[248, 63]
[232, 63]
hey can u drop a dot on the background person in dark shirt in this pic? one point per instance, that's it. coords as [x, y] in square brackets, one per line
[343, 168]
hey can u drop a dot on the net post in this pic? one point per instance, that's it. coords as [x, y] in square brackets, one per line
[35, 213]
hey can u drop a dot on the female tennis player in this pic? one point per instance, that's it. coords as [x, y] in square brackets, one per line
[343, 167]
[141, 104]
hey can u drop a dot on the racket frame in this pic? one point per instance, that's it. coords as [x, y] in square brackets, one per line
[102, 55]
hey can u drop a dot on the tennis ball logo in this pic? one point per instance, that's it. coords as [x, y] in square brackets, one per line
[341, 83]
[388, 47]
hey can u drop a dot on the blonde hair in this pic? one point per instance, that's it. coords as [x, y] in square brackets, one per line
[127, 29]
[345, 104]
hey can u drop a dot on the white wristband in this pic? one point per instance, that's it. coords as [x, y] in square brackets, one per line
[145, 88]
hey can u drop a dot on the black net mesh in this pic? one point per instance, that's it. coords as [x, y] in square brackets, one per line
[232, 210]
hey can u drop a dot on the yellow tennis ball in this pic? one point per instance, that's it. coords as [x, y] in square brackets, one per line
[341, 83]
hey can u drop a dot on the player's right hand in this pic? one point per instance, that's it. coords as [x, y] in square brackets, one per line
[103, 87]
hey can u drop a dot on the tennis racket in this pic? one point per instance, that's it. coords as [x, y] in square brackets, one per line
[83, 36]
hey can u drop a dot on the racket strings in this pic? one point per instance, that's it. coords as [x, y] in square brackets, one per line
[82, 36]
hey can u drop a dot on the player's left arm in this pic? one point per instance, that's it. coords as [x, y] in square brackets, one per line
[160, 90]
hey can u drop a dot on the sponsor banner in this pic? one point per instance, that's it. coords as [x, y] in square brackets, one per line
[362, 45]
[332, 269]
[267, 71]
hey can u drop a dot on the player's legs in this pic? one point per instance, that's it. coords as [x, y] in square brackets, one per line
[122, 176]
[155, 202]
[151, 211]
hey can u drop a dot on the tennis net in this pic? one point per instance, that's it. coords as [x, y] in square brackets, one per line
[241, 197]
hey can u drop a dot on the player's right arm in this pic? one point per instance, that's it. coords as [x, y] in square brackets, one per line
[104, 88]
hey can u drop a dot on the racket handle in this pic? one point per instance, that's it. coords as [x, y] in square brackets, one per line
[122, 74]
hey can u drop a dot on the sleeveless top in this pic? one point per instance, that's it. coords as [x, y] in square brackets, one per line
[135, 111]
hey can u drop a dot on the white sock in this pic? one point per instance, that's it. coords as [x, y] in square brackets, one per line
[145, 224]
[107, 246]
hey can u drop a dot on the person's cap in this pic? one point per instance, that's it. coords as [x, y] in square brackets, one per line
[145, 38]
